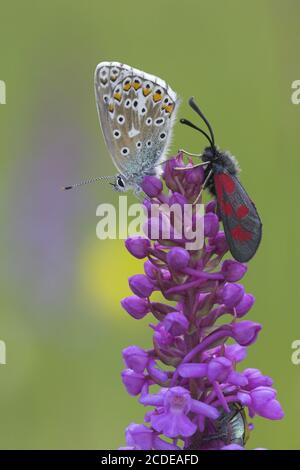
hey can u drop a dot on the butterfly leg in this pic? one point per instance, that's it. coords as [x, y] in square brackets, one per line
[203, 187]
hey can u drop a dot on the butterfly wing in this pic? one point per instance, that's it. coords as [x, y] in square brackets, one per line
[242, 225]
[136, 112]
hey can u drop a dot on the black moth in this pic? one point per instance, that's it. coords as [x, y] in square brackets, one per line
[242, 225]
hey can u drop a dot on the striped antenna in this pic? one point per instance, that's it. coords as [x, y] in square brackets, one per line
[91, 180]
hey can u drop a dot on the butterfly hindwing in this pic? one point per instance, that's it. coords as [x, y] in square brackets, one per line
[136, 112]
[242, 225]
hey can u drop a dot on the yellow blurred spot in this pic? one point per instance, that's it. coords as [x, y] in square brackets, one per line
[104, 271]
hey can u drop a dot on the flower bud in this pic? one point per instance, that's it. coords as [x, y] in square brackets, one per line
[138, 246]
[245, 332]
[178, 259]
[244, 305]
[133, 381]
[233, 270]
[135, 306]
[152, 186]
[135, 358]
[176, 323]
[211, 225]
[141, 285]
[232, 294]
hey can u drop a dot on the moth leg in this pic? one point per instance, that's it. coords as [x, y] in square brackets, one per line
[191, 167]
[203, 187]
[190, 154]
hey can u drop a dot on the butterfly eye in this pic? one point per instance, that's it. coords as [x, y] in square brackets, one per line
[120, 182]
[162, 136]
[117, 134]
[121, 119]
[125, 151]
[149, 121]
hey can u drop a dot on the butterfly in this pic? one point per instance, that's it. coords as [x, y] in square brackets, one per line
[136, 112]
[241, 222]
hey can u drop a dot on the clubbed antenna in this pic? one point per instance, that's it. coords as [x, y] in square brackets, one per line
[91, 180]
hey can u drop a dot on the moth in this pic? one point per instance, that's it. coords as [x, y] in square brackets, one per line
[241, 222]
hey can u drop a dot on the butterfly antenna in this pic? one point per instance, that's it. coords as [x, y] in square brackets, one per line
[91, 180]
[196, 108]
[190, 124]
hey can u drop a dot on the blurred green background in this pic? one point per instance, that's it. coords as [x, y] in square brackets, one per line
[60, 286]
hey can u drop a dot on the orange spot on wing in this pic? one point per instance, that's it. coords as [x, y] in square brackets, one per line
[156, 97]
[111, 108]
[136, 85]
[127, 86]
[117, 96]
[146, 91]
[168, 108]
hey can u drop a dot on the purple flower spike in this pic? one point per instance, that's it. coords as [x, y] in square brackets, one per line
[138, 246]
[141, 285]
[189, 375]
[135, 306]
[152, 186]
[178, 259]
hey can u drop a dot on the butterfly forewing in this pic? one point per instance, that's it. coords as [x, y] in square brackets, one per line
[136, 112]
[240, 219]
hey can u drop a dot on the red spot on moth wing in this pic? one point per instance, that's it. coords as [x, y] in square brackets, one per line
[240, 234]
[226, 208]
[227, 182]
[242, 211]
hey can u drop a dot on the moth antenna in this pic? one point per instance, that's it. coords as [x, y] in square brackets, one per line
[196, 108]
[91, 180]
[190, 124]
